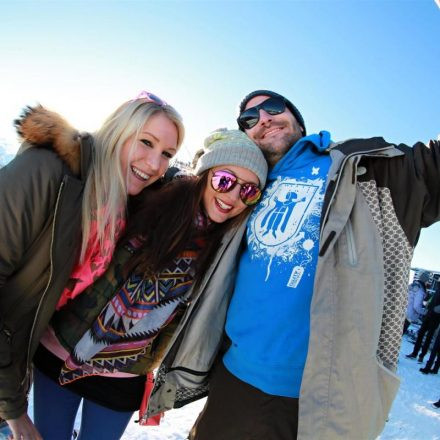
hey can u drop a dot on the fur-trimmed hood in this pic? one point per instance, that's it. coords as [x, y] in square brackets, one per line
[39, 127]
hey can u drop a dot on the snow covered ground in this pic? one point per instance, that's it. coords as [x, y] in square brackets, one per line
[412, 417]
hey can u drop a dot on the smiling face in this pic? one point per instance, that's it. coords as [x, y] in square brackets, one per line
[274, 134]
[220, 207]
[145, 157]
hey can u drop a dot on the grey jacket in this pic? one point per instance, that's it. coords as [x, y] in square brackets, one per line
[359, 301]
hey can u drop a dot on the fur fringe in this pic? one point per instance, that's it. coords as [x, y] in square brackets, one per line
[43, 128]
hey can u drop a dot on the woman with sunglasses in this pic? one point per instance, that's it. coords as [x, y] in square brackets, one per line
[63, 202]
[104, 344]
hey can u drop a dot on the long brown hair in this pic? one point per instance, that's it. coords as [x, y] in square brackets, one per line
[165, 222]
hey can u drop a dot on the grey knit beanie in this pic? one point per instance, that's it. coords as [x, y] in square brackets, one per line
[232, 147]
[270, 94]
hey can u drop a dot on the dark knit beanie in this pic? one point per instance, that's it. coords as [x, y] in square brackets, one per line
[423, 277]
[271, 94]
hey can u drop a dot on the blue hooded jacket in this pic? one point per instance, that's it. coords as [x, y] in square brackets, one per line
[268, 318]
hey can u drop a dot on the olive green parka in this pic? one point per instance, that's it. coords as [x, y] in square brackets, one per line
[41, 192]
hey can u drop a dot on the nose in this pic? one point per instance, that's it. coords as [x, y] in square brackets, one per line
[235, 193]
[153, 161]
[265, 117]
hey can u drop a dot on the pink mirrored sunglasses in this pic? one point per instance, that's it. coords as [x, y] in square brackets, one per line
[149, 97]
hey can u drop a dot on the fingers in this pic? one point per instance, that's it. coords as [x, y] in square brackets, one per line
[23, 429]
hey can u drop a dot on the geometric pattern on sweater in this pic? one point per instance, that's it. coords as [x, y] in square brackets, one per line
[99, 366]
[397, 256]
[130, 321]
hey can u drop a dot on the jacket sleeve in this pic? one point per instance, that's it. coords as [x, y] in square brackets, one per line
[414, 181]
[427, 166]
[418, 302]
[28, 191]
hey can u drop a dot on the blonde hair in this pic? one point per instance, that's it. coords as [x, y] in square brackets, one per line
[105, 193]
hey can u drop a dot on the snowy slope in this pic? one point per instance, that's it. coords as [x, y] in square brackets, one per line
[412, 417]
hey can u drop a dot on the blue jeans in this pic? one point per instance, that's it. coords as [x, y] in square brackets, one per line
[55, 410]
[5, 432]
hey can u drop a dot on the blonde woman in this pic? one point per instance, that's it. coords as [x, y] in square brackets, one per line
[63, 202]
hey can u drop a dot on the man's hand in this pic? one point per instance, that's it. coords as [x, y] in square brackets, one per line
[23, 429]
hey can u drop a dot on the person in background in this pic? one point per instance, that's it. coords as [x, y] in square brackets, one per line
[430, 323]
[103, 345]
[416, 296]
[433, 364]
[316, 315]
[63, 206]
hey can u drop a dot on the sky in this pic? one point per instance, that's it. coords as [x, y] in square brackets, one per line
[356, 68]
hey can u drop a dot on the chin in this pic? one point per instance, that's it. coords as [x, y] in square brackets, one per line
[216, 218]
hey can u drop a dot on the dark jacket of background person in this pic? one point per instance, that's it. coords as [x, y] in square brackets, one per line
[429, 325]
[433, 310]
[359, 301]
[40, 199]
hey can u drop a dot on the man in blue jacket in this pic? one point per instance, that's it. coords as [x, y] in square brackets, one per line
[316, 316]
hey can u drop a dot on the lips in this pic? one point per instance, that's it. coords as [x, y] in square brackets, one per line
[222, 206]
[270, 132]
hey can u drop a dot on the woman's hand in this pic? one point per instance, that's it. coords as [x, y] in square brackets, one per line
[23, 429]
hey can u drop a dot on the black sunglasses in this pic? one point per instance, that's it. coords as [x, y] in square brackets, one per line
[250, 117]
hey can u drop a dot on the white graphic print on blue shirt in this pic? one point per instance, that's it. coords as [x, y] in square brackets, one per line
[286, 226]
[268, 318]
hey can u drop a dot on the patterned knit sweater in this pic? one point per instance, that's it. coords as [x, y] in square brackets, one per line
[111, 326]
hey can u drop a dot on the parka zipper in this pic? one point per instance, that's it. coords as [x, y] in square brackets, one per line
[5, 337]
[352, 254]
[324, 218]
[7, 333]
[47, 285]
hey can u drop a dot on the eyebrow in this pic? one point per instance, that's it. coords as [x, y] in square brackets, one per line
[158, 140]
[151, 134]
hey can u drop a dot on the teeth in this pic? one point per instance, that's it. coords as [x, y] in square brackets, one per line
[223, 205]
[270, 132]
[139, 173]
